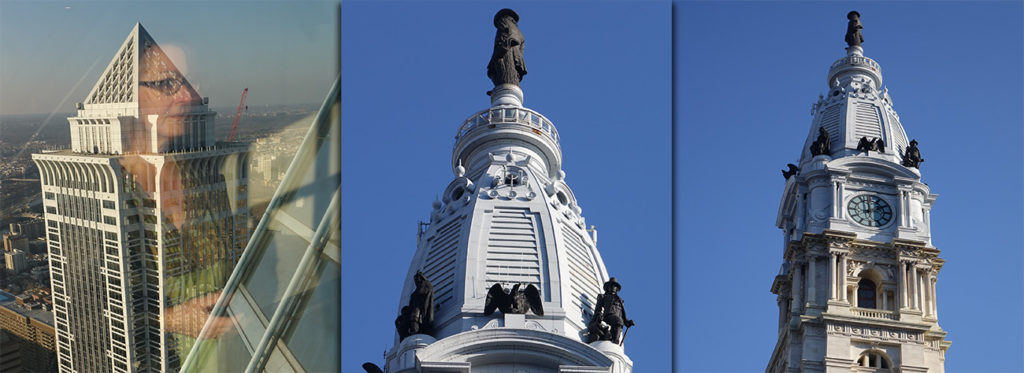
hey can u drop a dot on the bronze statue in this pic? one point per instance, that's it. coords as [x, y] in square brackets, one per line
[821, 145]
[418, 316]
[507, 65]
[793, 169]
[516, 301]
[609, 315]
[875, 144]
[853, 35]
[372, 368]
[912, 157]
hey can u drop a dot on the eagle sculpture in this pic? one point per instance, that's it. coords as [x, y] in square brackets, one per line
[517, 301]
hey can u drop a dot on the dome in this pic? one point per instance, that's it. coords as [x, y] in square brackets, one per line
[856, 109]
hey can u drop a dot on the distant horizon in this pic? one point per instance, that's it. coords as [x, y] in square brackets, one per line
[54, 53]
[214, 108]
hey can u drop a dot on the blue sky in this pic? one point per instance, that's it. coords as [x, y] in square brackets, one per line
[745, 73]
[746, 76]
[413, 71]
[284, 52]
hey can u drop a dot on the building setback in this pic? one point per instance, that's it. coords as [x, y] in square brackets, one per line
[856, 291]
[145, 214]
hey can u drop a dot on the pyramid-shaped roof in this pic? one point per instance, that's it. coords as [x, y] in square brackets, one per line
[139, 54]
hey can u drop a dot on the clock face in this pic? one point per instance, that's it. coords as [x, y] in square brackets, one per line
[870, 210]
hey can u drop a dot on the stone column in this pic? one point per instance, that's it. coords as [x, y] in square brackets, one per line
[914, 295]
[811, 283]
[837, 202]
[885, 299]
[901, 285]
[904, 216]
[935, 303]
[842, 276]
[930, 285]
[833, 283]
[797, 288]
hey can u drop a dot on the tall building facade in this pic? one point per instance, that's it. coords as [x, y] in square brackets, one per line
[856, 291]
[146, 215]
[507, 221]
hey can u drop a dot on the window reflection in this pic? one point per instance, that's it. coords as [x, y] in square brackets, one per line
[282, 299]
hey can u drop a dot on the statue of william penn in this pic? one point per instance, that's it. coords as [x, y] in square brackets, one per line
[507, 65]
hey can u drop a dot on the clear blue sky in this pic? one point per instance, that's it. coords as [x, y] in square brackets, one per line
[413, 71]
[746, 76]
[284, 52]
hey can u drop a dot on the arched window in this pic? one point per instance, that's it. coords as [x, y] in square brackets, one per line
[874, 359]
[866, 293]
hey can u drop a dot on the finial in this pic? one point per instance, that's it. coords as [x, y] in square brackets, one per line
[507, 65]
[459, 170]
[854, 38]
[437, 203]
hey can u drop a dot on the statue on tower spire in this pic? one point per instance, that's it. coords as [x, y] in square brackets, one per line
[507, 65]
[853, 35]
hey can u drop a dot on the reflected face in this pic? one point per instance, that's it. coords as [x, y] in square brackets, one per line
[164, 92]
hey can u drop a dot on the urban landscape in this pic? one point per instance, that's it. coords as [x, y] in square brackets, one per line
[272, 134]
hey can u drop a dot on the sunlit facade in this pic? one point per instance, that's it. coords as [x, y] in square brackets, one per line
[856, 290]
[146, 215]
[279, 311]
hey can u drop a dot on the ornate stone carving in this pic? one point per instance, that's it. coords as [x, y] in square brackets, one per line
[876, 333]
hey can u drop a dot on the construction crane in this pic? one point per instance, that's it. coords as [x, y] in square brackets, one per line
[238, 114]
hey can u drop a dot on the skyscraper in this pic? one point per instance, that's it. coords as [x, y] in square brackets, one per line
[146, 215]
[856, 291]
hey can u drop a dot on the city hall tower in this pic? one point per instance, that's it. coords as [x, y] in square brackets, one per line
[856, 291]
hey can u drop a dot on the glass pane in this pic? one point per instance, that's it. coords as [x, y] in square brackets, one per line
[307, 197]
[314, 337]
[280, 252]
[226, 353]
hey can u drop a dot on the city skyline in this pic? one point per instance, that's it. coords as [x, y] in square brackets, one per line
[221, 50]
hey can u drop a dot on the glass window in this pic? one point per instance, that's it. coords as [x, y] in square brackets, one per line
[866, 293]
[317, 321]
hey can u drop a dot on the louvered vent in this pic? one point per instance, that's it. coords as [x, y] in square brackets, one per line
[830, 120]
[513, 244]
[583, 283]
[868, 122]
[899, 138]
[440, 264]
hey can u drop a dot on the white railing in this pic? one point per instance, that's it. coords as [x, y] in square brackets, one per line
[875, 314]
[856, 60]
[506, 116]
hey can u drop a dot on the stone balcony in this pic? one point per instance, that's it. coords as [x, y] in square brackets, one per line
[875, 313]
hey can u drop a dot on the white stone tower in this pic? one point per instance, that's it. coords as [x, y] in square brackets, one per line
[856, 291]
[145, 212]
[508, 217]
